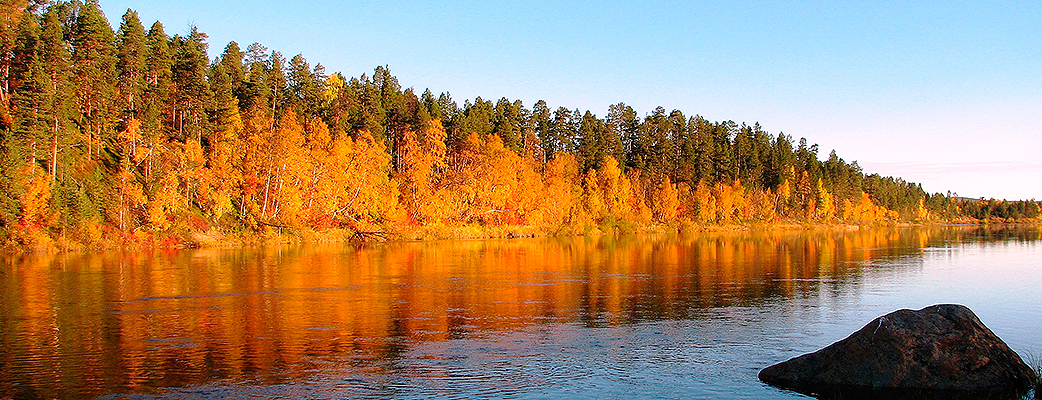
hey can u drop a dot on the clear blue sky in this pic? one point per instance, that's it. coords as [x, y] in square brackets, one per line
[948, 94]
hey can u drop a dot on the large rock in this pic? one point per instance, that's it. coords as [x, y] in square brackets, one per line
[941, 351]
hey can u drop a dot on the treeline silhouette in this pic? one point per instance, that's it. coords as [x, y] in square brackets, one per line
[135, 136]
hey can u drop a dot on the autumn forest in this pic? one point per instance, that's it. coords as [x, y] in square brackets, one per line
[131, 136]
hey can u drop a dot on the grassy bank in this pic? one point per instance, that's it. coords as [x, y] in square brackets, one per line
[101, 237]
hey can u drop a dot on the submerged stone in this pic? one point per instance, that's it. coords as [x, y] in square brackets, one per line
[941, 351]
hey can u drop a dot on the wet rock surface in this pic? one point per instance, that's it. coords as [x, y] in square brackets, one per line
[941, 351]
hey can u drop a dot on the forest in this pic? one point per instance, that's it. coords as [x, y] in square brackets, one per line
[131, 136]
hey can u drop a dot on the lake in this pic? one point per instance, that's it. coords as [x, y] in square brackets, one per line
[642, 316]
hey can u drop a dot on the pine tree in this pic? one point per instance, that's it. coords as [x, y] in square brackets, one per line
[687, 160]
[255, 92]
[94, 66]
[130, 68]
[192, 93]
[28, 100]
[592, 148]
[11, 15]
[130, 64]
[510, 121]
[57, 64]
[155, 105]
[304, 90]
[724, 169]
[232, 61]
[540, 122]
[704, 149]
[275, 82]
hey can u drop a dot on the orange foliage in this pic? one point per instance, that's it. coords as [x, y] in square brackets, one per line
[705, 203]
[593, 196]
[865, 211]
[37, 195]
[667, 202]
[371, 199]
[827, 206]
[726, 201]
[616, 189]
[562, 192]
[164, 204]
[482, 179]
[762, 204]
[638, 206]
[419, 172]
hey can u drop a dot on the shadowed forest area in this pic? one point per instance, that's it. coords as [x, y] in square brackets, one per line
[130, 136]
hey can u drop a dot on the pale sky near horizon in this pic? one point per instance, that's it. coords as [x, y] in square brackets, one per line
[946, 94]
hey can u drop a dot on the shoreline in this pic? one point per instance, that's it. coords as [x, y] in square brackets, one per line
[218, 238]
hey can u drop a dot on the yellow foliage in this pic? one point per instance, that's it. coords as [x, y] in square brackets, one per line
[483, 177]
[420, 169]
[190, 171]
[37, 195]
[616, 189]
[329, 188]
[827, 206]
[164, 203]
[414, 176]
[318, 137]
[528, 194]
[332, 87]
[705, 203]
[130, 195]
[804, 196]
[562, 192]
[434, 136]
[371, 198]
[422, 163]
[762, 204]
[846, 210]
[638, 207]
[740, 201]
[725, 202]
[788, 177]
[287, 170]
[297, 171]
[685, 197]
[865, 211]
[730, 201]
[129, 138]
[593, 196]
[667, 202]
[921, 213]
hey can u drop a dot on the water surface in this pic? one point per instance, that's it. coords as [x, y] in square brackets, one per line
[654, 316]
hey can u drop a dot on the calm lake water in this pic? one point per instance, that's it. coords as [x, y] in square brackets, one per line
[658, 316]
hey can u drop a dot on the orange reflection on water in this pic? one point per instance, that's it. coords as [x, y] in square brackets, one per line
[125, 322]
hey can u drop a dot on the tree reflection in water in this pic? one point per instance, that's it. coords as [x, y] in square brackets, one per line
[136, 321]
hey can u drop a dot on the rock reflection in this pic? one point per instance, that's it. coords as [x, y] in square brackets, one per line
[131, 322]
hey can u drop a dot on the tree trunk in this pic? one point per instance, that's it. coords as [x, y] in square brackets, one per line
[267, 186]
[53, 165]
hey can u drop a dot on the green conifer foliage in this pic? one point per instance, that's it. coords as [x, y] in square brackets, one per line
[94, 76]
[130, 64]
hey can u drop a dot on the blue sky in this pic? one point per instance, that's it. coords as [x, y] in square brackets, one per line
[948, 94]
